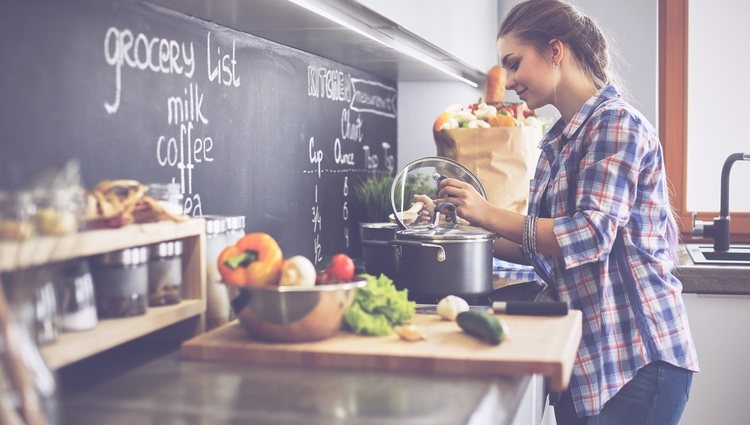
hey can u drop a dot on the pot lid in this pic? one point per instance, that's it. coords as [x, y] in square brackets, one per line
[421, 177]
[458, 232]
[445, 227]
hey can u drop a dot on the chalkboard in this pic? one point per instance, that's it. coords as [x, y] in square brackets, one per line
[245, 125]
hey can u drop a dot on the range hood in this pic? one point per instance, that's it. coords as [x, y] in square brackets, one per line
[341, 30]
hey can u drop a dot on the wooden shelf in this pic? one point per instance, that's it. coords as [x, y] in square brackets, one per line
[43, 250]
[75, 346]
[108, 333]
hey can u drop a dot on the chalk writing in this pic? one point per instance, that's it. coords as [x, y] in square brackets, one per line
[330, 84]
[351, 128]
[373, 97]
[187, 108]
[141, 53]
[224, 72]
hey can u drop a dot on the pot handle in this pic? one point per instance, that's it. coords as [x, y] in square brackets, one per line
[449, 210]
[376, 243]
[440, 256]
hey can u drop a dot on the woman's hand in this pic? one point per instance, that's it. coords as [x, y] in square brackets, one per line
[425, 215]
[470, 205]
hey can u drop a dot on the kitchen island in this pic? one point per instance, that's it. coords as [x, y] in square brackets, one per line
[451, 378]
[143, 383]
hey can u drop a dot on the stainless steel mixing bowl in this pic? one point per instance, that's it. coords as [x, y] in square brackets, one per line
[294, 313]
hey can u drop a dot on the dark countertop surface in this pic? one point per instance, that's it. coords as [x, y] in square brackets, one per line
[138, 384]
[707, 279]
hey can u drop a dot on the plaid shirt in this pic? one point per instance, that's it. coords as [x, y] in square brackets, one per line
[615, 265]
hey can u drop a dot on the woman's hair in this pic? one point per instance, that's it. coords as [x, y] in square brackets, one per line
[537, 22]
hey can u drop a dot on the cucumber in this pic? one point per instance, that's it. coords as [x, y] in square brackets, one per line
[483, 325]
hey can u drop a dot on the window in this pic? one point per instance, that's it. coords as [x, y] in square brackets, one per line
[673, 118]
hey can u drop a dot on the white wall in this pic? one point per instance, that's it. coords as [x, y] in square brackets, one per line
[419, 104]
[631, 27]
[469, 33]
[717, 96]
[466, 30]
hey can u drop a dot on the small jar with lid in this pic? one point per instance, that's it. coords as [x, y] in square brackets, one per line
[121, 280]
[168, 195]
[165, 273]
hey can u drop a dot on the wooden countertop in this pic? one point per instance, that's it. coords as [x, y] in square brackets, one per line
[536, 345]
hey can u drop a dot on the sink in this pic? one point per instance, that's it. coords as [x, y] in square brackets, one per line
[737, 255]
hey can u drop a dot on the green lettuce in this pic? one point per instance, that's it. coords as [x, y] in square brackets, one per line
[378, 306]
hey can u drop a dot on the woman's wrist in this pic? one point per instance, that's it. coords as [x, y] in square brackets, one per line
[507, 224]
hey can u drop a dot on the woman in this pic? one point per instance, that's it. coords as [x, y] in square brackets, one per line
[599, 227]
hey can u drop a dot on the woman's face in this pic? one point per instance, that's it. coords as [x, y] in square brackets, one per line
[528, 73]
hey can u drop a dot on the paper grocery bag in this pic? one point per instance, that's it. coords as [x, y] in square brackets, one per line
[503, 158]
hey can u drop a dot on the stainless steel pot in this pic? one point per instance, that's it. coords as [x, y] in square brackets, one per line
[442, 257]
[378, 254]
[436, 259]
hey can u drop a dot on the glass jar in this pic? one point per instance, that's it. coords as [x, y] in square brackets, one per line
[58, 211]
[168, 195]
[121, 279]
[45, 312]
[33, 302]
[16, 209]
[217, 297]
[20, 359]
[76, 299]
[165, 273]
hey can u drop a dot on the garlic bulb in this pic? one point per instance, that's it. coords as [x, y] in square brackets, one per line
[449, 307]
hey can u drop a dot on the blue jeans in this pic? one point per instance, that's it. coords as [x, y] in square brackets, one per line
[655, 396]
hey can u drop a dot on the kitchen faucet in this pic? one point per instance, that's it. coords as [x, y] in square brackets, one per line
[719, 229]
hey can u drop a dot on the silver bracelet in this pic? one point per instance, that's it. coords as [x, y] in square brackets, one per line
[525, 238]
[532, 235]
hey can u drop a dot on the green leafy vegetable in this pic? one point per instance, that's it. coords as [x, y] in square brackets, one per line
[378, 306]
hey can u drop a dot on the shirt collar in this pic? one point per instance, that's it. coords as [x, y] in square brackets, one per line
[569, 130]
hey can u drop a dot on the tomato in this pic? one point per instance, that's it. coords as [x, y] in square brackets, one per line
[341, 268]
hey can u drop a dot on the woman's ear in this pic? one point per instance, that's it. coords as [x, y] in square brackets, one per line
[556, 51]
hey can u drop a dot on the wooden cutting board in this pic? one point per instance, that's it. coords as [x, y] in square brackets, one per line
[537, 345]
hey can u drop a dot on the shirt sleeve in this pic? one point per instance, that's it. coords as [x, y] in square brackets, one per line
[611, 150]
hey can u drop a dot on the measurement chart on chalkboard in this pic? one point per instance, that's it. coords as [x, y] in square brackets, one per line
[245, 126]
